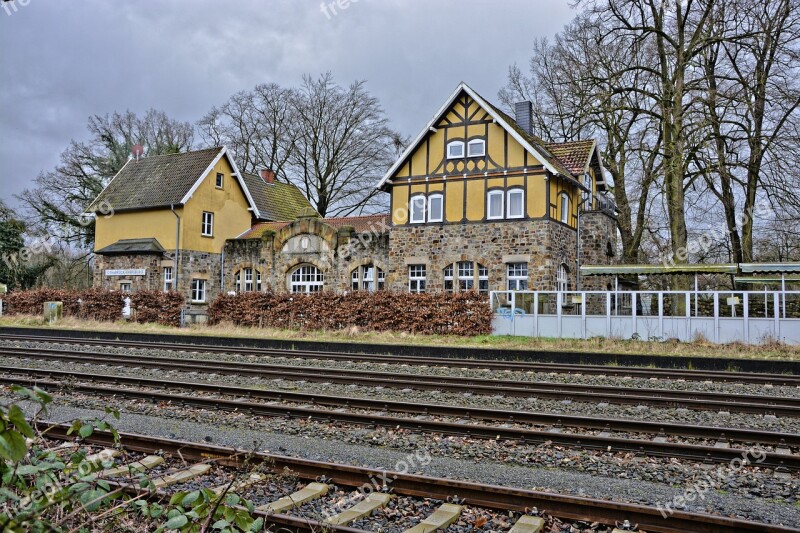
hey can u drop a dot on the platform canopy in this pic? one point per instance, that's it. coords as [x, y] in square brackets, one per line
[780, 268]
[622, 270]
[766, 280]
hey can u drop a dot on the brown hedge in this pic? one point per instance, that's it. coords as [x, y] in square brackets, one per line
[157, 306]
[465, 313]
[95, 304]
[100, 304]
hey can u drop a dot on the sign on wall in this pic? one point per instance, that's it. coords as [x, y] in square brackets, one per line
[126, 272]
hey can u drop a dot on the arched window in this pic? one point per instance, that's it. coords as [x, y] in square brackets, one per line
[476, 148]
[455, 149]
[306, 279]
[368, 278]
[247, 280]
[562, 282]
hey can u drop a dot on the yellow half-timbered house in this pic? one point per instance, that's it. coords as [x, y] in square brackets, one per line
[476, 203]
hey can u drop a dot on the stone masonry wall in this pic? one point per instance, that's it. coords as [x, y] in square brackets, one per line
[336, 253]
[540, 243]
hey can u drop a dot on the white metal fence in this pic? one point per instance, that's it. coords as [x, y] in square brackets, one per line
[752, 317]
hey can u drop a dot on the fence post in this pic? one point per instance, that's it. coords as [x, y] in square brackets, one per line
[583, 312]
[661, 315]
[689, 313]
[608, 315]
[559, 299]
[536, 314]
[716, 317]
[513, 314]
[633, 312]
[777, 309]
[746, 314]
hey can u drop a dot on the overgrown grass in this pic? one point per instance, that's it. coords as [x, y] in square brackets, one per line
[699, 348]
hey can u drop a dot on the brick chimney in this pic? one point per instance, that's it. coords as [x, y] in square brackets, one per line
[267, 175]
[523, 112]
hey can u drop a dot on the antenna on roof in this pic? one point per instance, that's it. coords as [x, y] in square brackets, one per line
[138, 150]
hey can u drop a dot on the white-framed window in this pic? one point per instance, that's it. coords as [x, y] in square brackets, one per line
[368, 278]
[207, 229]
[248, 279]
[466, 275]
[494, 205]
[306, 279]
[258, 281]
[125, 286]
[517, 274]
[435, 208]
[416, 278]
[561, 277]
[516, 203]
[564, 208]
[417, 209]
[465, 279]
[198, 290]
[455, 149]
[220, 180]
[483, 278]
[168, 279]
[476, 148]
[448, 278]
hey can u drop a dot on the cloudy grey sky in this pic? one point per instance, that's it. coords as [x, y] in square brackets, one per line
[63, 61]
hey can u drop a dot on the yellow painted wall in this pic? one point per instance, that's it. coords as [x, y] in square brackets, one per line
[399, 204]
[229, 205]
[158, 224]
[498, 170]
[454, 210]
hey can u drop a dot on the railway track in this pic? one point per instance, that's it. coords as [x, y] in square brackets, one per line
[399, 484]
[525, 366]
[713, 401]
[646, 438]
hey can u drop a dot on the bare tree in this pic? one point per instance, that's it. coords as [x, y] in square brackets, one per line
[751, 109]
[256, 126]
[343, 144]
[575, 85]
[57, 202]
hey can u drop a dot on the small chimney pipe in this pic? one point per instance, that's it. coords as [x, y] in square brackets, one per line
[267, 175]
[523, 112]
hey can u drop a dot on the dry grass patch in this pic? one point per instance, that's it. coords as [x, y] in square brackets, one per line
[770, 350]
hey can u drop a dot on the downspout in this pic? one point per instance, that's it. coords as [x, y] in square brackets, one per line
[578, 240]
[177, 244]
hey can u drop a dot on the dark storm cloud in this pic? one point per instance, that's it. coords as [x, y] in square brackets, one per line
[63, 61]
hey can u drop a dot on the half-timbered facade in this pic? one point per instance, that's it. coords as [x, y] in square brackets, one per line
[478, 202]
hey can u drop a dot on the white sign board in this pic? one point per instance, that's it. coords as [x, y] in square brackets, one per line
[126, 272]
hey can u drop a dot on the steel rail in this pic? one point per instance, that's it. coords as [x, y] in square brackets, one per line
[484, 495]
[700, 400]
[566, 368]
[656, 447]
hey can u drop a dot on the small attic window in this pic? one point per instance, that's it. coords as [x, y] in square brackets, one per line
[455, 149]
[476, 148]
[220, 180]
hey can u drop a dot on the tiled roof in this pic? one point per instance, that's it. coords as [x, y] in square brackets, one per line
[133, 246]
[155, 181]
[574, 155]
[275, 201]
[362, 224]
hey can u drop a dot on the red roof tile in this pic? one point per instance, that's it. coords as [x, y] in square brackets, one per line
[574, 155]
[362, 224]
